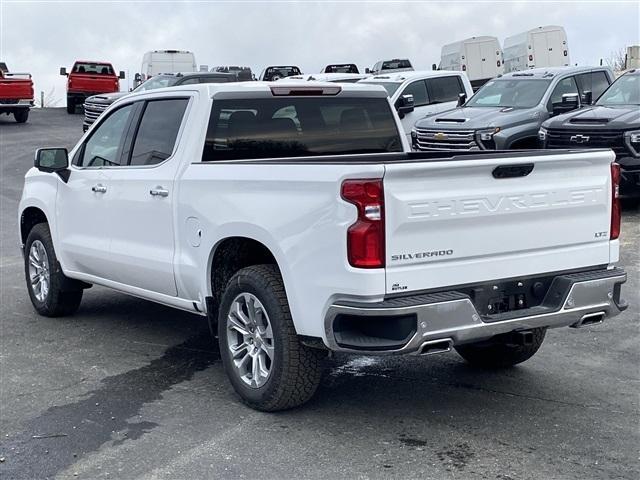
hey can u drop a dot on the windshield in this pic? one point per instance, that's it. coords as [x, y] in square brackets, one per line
[520, 93]
[390, 87]
[160, 81]
[274, 73]
[624, 91]
[394, 64]
[348, 68]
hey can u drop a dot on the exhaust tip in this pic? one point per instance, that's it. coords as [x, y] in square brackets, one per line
[434, 347]
[589, 319]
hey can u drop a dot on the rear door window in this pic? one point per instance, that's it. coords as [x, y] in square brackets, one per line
[157, 131]
[444, 89]
[299, 127]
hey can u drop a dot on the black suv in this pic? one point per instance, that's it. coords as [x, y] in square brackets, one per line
[612, 122]
[95, 105]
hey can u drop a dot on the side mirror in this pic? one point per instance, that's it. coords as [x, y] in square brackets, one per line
[570, 101]
[434, 66]
[587, 97]
[404, 105]
[51, 160]
[121, 76]
[462, 99]
[63, 71]
[138, 77]
[367, 70]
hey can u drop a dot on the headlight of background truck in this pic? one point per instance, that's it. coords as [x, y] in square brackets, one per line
[542, 134]
[484, 137]
[632, 139]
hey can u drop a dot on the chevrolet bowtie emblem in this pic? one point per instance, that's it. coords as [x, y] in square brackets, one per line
[440, 136]
[579, 138]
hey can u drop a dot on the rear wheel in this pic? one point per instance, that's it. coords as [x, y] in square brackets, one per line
[52, 293]
[21, 115]
[71, 106]
[501, 352]
[263, 357]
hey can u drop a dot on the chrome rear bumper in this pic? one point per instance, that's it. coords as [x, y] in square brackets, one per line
[574, 299]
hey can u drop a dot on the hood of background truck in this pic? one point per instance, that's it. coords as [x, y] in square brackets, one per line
[472, 118]
[617, 118]
[107, 98]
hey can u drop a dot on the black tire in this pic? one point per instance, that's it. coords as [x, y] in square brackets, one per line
[21, 115]
[500, 353]
[64, 295]
[71, 106]
[296, 369]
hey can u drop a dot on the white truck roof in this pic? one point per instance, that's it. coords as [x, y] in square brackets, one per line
[280, 86]
[401, 77]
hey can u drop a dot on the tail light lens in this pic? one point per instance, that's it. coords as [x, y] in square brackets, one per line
[464, 68]
[531, 58]
[614, 231]
[365, 238]
[498, 63]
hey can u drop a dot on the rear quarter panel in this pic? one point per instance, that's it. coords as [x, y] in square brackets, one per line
[296, 211]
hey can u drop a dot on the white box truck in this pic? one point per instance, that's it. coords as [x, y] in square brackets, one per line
[156, 62]
[536, 48]
[479, 57]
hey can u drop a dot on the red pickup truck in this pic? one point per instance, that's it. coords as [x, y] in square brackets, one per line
[87, 79]
[16, 94]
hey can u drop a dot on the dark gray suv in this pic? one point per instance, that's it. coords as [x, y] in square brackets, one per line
[507, 111]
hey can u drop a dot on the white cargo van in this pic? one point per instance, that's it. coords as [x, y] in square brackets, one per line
[479, 57]
[167, 61]
[536, 48]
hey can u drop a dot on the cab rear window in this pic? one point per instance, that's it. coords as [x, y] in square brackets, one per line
[299, 127]
[93, 68]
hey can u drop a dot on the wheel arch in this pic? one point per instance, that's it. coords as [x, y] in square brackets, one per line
[231, 254]
[30, 217]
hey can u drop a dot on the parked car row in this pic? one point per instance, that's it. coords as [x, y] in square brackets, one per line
[546, 108]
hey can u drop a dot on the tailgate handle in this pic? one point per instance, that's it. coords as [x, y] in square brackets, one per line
[513, 171]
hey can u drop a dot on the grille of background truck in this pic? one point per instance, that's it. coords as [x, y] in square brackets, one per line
[431, 139]
[92, 111]
[597, 139]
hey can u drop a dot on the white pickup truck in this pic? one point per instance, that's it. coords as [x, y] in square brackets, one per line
[295, 219]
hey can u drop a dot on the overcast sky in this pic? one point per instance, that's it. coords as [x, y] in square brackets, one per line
[40, 37]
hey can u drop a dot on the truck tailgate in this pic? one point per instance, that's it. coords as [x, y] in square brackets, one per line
[16, 89]
[451, 222]
[93, 83]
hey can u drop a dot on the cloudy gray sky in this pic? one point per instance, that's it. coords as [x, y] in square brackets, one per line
[40, 37]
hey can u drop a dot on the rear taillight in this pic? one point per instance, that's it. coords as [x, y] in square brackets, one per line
[365, 238]
[464, 68]
[531, 58]
[614, 232]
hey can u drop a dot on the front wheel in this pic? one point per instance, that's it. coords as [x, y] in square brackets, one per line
[21, 115]
[52, 293]
[501, 352]
[262, 355]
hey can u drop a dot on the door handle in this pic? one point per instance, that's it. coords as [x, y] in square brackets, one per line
[99, 188]
[159, 192]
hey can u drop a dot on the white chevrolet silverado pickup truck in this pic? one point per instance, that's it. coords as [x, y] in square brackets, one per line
[295, 219]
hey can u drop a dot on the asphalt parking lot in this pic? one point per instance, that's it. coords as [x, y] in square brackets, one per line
[129, 389]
